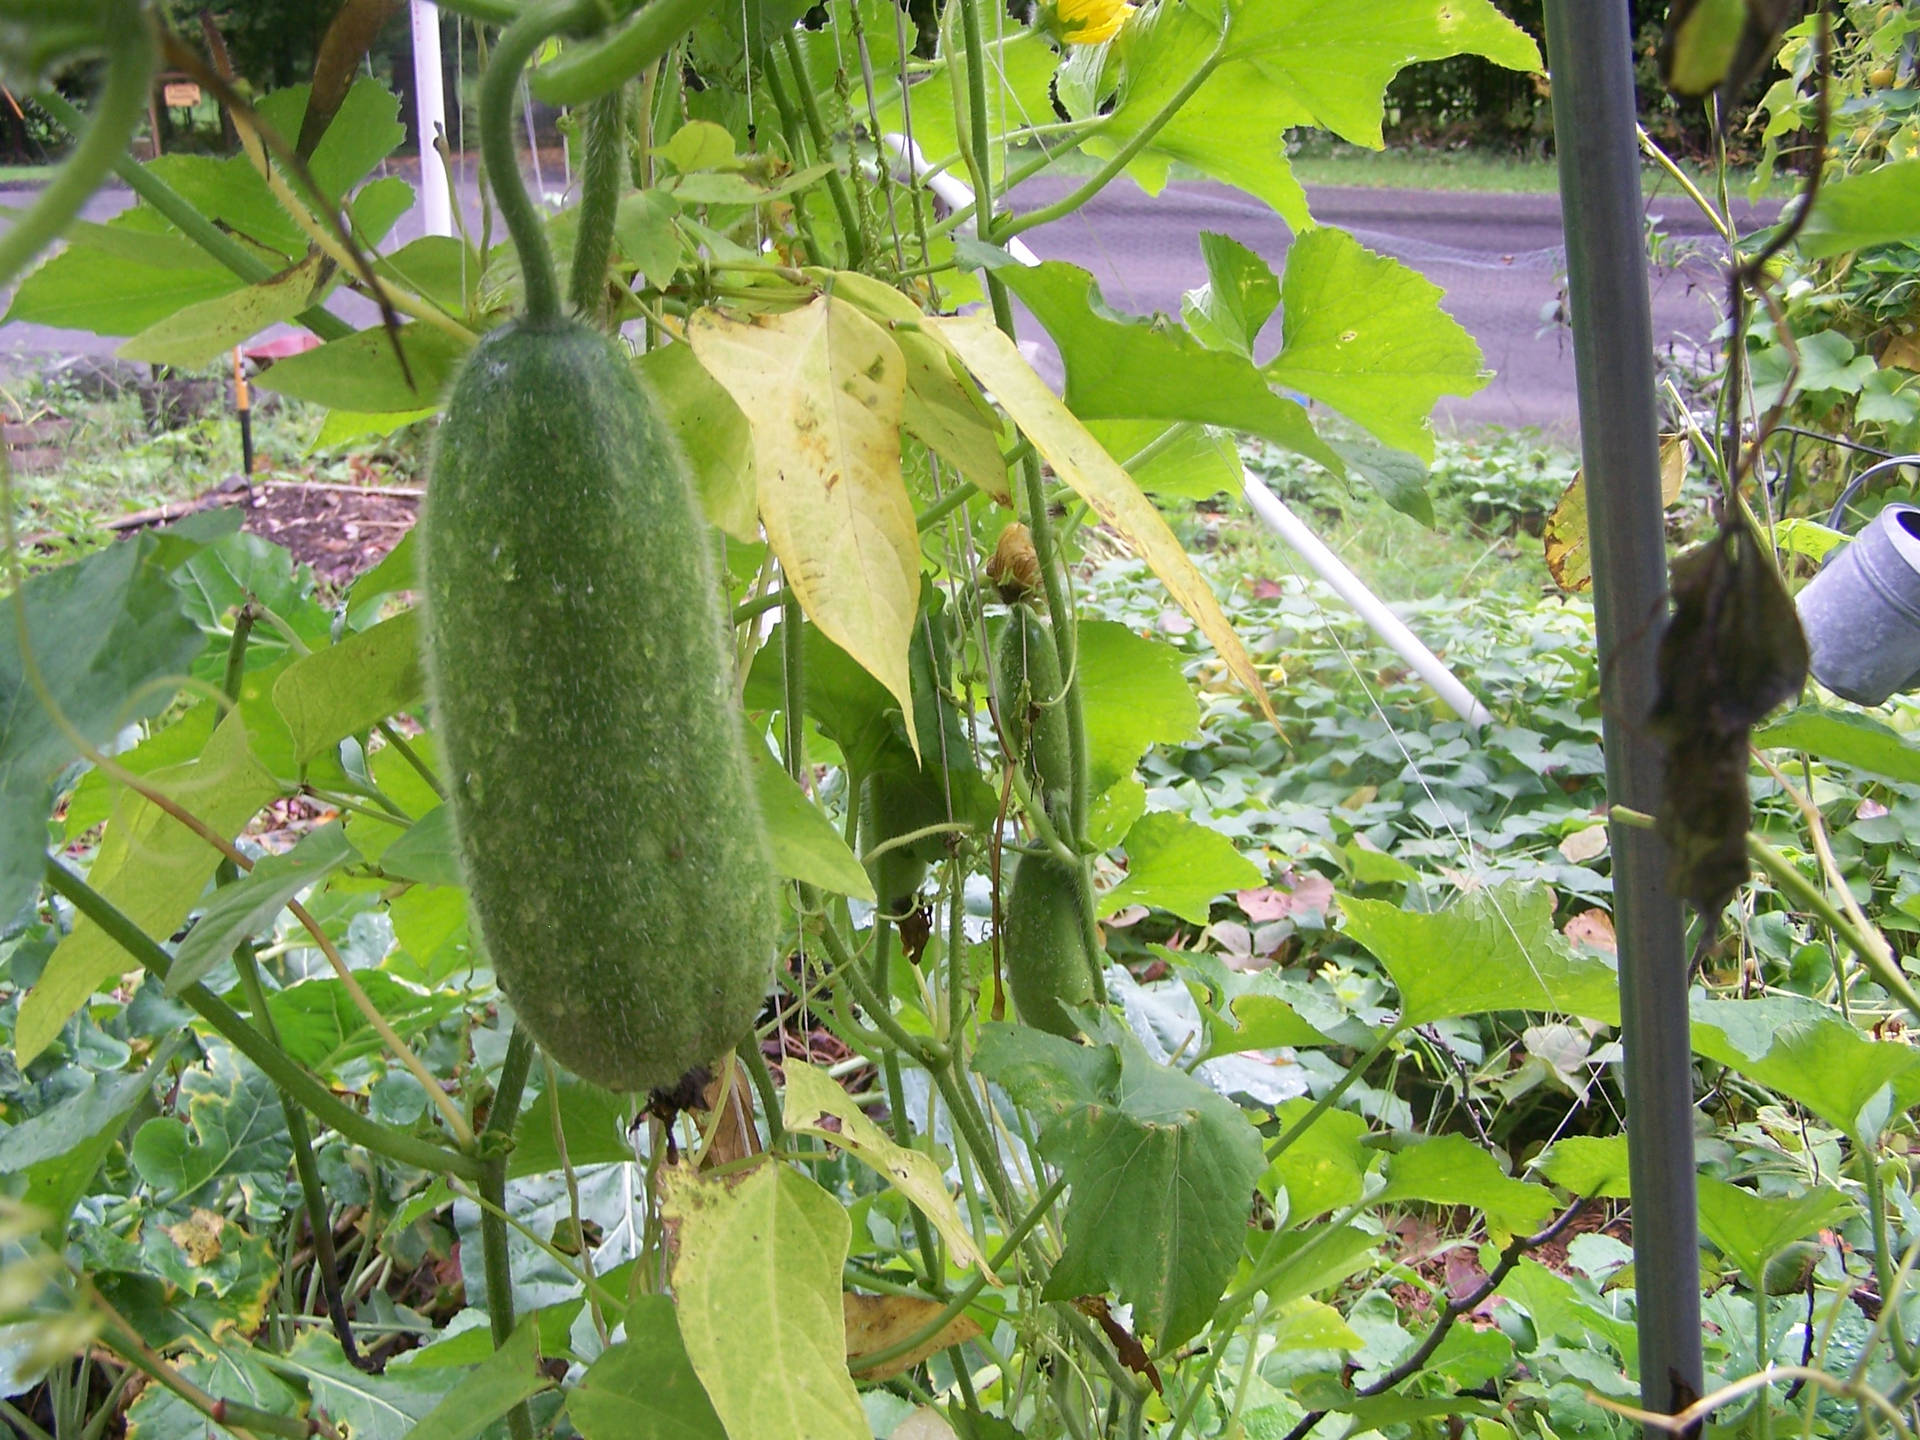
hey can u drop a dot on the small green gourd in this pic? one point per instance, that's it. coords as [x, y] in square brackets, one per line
[1033, 714]
[608, 830]
[1044, 944]
[895, 803]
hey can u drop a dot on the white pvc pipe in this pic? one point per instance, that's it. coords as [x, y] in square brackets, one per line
[1269, 507]
[950, 188]
[430, 112]
[1369, 606]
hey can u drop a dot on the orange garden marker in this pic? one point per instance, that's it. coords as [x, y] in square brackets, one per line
[243, 403]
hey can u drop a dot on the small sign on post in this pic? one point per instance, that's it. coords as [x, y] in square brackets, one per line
[180, 94]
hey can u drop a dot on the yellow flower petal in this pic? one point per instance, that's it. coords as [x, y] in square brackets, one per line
[1091, 22]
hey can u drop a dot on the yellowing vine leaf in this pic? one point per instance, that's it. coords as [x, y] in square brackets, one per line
[817, 1106]
[1565, 537]
[758, 1278]
[823, 389]
[1098, 479]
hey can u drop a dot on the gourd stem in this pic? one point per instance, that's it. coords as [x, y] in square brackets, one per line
[497, 92]
[600, 176]
[123, 100]
[493, 1215]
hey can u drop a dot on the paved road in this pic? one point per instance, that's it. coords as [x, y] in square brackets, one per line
[1497, 257]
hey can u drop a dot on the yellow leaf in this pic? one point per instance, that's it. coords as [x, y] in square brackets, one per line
[1565, 536]
[757, 1274]
[823, 388]
[1078, 459]
[152, 868]
[875, 1322]
[817, 1106]
[944, 412]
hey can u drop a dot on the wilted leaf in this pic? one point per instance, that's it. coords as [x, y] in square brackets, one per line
[875, 1322]
[758, 1276]
[1565, 535]
[822, 388]
[817, 1106]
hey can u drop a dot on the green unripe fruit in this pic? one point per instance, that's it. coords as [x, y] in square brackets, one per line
[1033, 714]
[1044, 944]
[608, 829]
[894, 804]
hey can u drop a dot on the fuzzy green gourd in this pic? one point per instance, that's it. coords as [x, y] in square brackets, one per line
[608, 830]
[1033, 716]
[1044, 945]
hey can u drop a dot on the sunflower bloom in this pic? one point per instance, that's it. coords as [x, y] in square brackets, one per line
[1092, 22]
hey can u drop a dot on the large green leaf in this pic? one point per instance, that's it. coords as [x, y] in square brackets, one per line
[1325, 1168]
[105, 632]
[1128, 367]
[1587, 1165]
[1803, 1050]
[50, 1158]
[644, 1388]
[363, 371]
[235, 1130]
[1134, 694]
[90, 286]
[1872, 208]
[758, 1276]
[1162, 1171]
[249, 905]
[344, 689]
[1366, 335]
[506, 1378]
[1846, 736]
[1452, 1170]
[1496, 950]
[1284, 64]
[198, 333]
[593, 1120]
[1176, 864]
[1751, 1229]
[374, 1407]
[152, 868]
[322, 1028]
[802, 841]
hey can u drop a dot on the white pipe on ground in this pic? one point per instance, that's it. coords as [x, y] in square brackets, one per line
[1369, 606]
[430, 111]
[1269, 507]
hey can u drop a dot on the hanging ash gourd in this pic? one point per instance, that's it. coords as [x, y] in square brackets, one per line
[1732, 651]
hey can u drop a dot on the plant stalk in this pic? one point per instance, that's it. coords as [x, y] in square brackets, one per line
[493, 1224]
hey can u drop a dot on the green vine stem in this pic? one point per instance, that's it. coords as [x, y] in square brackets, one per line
[594, 70]
[1327, 1101]
[493, 1189]
[1122, 157]
[175, 209]
[123, 100]
[299, 1137]
[816, 128]
[275, 1062]
[498, 89]
[600, 176]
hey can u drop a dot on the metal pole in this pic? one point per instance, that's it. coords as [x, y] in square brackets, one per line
[1589, 47]
[430, 106]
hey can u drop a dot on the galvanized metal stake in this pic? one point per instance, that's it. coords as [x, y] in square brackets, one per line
[1589, 48]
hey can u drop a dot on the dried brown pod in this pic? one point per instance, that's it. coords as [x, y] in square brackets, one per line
[1732, 651]
[1015, 566]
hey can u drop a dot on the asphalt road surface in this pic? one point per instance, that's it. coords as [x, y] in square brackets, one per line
[1498, 258]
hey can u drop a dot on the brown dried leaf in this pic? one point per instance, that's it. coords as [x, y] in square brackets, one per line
[875, 1322]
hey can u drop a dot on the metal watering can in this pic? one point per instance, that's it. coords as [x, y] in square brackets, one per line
[1861, 613]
